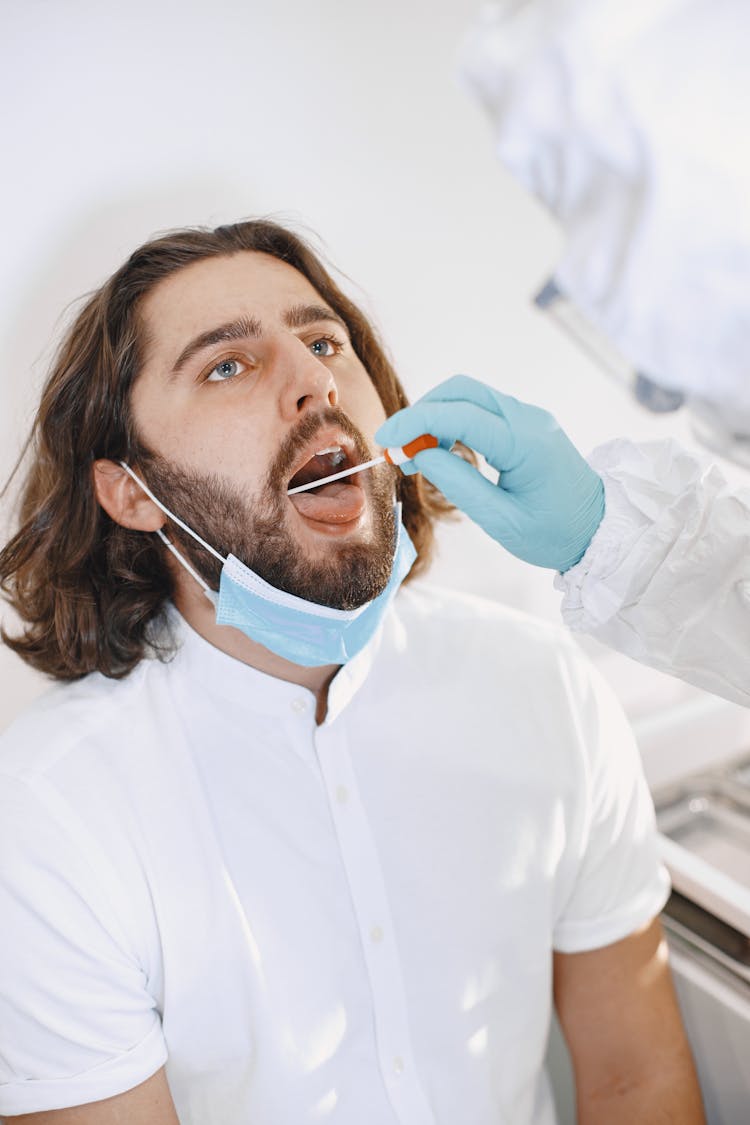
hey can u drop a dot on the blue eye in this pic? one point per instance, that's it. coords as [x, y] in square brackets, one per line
[224, 371]
[324, 347]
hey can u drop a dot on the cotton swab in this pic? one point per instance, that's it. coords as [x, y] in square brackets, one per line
[396, 455]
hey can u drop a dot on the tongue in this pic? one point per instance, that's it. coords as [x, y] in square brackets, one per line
[338, 502]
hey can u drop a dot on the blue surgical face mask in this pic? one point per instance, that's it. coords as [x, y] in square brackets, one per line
[301, 631]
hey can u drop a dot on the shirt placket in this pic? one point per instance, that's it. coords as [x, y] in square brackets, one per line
[367, 887]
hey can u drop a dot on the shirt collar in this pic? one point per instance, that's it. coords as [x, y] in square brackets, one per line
[350, 677]
[214, 672]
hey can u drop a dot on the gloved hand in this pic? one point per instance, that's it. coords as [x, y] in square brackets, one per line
[547, 503]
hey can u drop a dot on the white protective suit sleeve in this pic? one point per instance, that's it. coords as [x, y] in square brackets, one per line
[666, 578]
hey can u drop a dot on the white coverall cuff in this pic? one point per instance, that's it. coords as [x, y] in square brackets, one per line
[638, 491]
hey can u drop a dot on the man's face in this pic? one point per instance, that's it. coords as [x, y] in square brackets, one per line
[250, 382]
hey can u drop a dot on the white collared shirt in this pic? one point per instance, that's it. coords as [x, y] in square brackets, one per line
[348, 923]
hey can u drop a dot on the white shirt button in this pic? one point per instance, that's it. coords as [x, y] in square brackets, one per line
[299, 705]
[398, 1065]
[342, 794]
[376, 933]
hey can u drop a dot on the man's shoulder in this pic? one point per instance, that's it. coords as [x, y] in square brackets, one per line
[95, 711]
[437, 613]
[451, 633]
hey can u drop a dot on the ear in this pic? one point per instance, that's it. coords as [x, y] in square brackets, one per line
[123, 500]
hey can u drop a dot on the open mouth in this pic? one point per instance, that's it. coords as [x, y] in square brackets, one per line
[332, 459]
[337, 503]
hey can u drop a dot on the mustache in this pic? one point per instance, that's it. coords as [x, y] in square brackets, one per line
[303, 433]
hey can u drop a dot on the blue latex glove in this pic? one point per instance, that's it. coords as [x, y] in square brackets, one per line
[548, 501]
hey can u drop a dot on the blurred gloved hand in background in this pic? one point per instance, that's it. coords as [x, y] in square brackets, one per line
[547, 502]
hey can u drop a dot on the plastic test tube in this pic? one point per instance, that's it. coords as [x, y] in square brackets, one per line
[397, 455]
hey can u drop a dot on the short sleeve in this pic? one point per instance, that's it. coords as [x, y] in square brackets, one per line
[77, 1023]
[615, 882]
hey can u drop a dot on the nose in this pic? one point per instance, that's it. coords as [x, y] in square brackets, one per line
[308, 382]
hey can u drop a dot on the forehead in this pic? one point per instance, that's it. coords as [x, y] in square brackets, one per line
[214, 290]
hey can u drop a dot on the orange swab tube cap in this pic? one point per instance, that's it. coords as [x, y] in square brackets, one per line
[397, 455]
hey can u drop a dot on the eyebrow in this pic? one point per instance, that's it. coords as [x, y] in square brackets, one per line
[250, 328]
[299, 316]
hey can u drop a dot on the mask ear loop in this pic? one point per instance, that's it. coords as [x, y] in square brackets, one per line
[181, 559]
[210, 594]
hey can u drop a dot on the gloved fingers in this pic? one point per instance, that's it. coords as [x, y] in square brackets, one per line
[464, 486]
[462, 388]
[481, 429]
[408, 468]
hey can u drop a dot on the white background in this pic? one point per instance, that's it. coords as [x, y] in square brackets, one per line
[343, 118]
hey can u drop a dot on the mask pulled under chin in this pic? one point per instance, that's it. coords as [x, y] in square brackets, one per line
[301, 631]
[304, 632]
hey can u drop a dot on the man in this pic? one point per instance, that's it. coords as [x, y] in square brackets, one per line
[243, 881]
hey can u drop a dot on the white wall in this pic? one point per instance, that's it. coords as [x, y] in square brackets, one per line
[123, 120]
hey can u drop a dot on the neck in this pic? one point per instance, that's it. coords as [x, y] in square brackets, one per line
[200, 615]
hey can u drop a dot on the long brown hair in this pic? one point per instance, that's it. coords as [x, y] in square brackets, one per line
[87, 589]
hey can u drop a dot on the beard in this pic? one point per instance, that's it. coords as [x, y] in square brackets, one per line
[350, 575]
